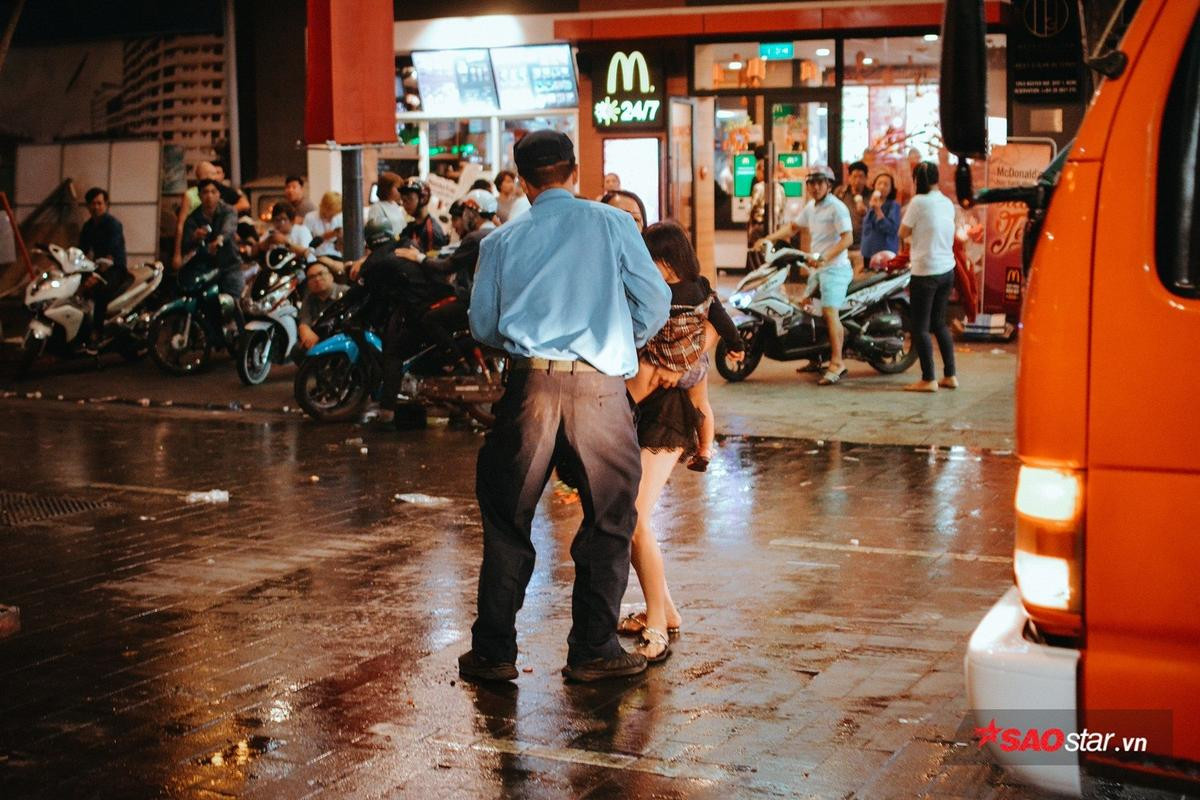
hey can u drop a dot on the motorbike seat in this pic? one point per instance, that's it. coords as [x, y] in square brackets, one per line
[868, 278]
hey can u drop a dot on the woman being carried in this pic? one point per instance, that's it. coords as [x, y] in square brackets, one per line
[669, 422]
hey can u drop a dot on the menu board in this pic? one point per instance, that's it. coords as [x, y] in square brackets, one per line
[535, 77]
[455, 82]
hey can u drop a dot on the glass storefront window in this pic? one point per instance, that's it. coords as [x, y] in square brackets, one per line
[764, 65]
[453, 142]
[890, 102]
[511, 131]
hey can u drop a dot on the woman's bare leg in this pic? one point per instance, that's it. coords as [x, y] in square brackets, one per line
[646, 555]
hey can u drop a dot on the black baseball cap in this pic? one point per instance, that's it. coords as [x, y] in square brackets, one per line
[541, 149]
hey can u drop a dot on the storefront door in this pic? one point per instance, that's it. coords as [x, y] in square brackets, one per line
[798, 125]
[681, 164]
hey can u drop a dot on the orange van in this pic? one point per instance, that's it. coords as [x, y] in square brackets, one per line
[1091, 662]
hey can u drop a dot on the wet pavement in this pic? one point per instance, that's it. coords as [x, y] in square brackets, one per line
[300, 639]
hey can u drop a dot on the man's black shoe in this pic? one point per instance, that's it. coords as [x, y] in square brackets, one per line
[473, 667]
[601, 668]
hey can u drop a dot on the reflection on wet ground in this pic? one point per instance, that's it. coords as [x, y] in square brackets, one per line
[301, 639]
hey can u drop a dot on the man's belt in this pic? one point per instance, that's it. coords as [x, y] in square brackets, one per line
[550, 365]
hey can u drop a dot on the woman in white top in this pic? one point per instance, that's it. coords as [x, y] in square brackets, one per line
[326, 224]
[388, 207]
[929, 224]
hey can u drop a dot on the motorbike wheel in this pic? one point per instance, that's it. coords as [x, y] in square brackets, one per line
[901, 361]
[167, 348]
[329, 388]
[734, 371]
[31, 351]
[253, 357]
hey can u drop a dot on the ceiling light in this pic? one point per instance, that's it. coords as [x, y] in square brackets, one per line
[931, 37]
[822, 51]
[868, 61]
[735, 65]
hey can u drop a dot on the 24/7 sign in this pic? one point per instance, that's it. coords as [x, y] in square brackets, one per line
[630, 90]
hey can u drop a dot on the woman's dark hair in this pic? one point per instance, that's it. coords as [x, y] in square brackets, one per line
[388, 181]
[891, 194]
[283, 209]
[93, 193]
[502, 174]
[610, 196]
[925, 175]
[482, 183]
[204, 184]
[667, 242]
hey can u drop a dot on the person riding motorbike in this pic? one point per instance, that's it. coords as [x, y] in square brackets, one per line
[103, 240]
[424, 233]
[400, 290]
[478, 208]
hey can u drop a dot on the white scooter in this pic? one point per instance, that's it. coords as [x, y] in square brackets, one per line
[62, 318]
[272, 316]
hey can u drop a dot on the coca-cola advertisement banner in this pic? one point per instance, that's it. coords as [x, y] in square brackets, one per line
[1012, 164]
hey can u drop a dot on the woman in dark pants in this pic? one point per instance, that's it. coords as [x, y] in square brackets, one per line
[929, 224]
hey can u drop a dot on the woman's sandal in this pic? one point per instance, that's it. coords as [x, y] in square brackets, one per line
[634, 624]
[655, 645]
[830, 377]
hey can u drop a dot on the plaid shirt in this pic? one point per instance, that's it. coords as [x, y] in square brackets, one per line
[680, 343]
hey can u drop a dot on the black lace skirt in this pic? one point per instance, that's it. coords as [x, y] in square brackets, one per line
[667, 420]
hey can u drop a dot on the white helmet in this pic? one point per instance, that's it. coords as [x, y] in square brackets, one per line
[481, 200]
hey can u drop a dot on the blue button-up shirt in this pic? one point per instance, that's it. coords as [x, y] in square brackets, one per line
[569, 280]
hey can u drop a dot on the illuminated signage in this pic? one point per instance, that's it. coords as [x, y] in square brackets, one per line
[631, 89]
[790, 178]
[744, 166]
[776, 51]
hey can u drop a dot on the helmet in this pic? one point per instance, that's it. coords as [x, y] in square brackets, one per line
[819, 172]
[481, 200]
[415, 185]
[880, 260]
[378, 232]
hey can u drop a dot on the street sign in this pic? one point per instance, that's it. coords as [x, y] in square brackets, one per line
[776, 51]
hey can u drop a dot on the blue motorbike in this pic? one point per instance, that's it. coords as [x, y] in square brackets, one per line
[346, 369]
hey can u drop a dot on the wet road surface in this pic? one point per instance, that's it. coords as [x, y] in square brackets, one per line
[300, 640]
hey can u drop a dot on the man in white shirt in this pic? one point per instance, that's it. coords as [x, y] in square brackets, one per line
[827, 230]
[286, 233]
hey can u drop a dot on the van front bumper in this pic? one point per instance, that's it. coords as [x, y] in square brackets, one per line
[1008, 674]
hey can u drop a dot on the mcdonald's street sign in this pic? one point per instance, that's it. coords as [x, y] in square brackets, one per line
[627, 89]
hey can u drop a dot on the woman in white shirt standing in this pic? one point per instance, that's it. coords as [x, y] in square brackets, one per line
[388, 208]
[929, 224]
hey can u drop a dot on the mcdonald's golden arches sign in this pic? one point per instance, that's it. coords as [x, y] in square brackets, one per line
[627, 89]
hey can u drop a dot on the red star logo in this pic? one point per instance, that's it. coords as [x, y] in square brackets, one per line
[988, 734]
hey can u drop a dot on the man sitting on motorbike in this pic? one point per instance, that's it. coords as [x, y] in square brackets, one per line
[321, 292]
[208, 239]
[423, 233]
[826, 224]
[478, 211]
[103, 240]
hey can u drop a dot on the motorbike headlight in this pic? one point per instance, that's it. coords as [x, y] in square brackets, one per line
[739, 299]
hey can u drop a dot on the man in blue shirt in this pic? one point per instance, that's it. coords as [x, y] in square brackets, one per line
[569, 289]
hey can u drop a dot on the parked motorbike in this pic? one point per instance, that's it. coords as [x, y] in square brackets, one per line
[346, 368]
[875, 316]
[62, 318]
[184, 331]
[270, 307]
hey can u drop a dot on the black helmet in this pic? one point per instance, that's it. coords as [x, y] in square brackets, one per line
[415, 185]
[378, 232]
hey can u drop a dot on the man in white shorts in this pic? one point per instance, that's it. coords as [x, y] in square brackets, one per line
[826, 221]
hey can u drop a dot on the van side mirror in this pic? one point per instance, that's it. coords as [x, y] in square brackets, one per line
[963, 96]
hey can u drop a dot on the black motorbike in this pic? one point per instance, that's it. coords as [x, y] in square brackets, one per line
[875, 316]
